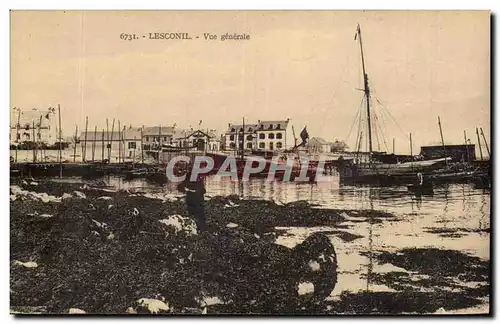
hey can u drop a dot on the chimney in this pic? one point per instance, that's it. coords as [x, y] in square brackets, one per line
[258, 121]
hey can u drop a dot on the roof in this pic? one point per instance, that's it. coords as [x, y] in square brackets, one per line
[132, 134]
[249, 128]
[319, 140]
[200, 132]
[159, 130]
[272, 124]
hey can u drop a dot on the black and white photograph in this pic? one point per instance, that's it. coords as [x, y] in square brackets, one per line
[250, 162]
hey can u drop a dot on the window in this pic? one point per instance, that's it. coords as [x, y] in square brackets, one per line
[250, 129]
[278, 126]
[261, 126]
[249, 145]
[262, 136]
[108, 145]
[271, 146]
[241, 129]
[231, 145]
[18, 136]
[270, 136]
[249, 137]
[131, 145]
[279, 145]
[262, 145]
[164, 138]
[231, 137]
[279, 136]
[270, 126]
[232, 130]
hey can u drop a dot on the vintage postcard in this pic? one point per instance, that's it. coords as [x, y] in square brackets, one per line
[250, 162]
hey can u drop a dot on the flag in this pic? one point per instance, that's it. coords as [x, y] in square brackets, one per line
[304, 135]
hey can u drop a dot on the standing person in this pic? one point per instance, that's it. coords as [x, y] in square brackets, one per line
[195, 199]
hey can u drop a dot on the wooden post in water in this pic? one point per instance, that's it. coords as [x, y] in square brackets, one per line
[60, 141]
[102, 140]
[119, 142]
[479, 144]
[466, 146]
[442, 139]
[107, 138]
[34, 142]
[243, 141]
[39, 142]
[159, 144]
[18, 127]
[411, 148]
[84, 158]
[485, 143]
[74, 148]
[111, 140]
[142, 145]
[93, 143]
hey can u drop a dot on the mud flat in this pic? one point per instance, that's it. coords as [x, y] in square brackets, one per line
[86, 248]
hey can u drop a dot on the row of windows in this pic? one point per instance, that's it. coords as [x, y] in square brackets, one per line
[250, 129]
[155, 138]
[261, 136]
[279, 145]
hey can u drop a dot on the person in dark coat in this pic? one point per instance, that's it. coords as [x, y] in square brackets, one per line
[195, 199]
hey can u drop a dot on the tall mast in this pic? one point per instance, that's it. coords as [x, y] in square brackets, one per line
[485, 143]
[479, 144]
[366, 90]
[442, 139]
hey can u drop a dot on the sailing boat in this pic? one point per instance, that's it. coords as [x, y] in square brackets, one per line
[373, 170]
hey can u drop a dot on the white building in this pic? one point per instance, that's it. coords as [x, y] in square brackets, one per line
[113, 145]
[263, 136]
[274, 135]
[318, 145]
[236, 136]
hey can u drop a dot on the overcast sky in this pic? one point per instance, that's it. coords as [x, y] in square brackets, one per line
[301, 65]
